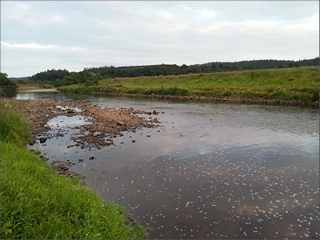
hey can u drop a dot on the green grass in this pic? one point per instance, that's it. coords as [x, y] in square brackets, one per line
[300, 84]
[13, 128]
[37, 203]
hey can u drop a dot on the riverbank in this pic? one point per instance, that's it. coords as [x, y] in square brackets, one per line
[39, 90]
[217, 99]
[35, 88]
[37, 202]
[102, 123]
[294, 86]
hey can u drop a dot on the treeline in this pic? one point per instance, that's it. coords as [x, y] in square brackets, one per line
[59, 78]
[7, 86]
[173, 69]
[91, 76]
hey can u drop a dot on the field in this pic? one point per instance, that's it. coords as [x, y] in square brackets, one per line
[293, 84]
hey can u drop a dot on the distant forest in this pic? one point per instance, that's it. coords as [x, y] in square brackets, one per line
[91, 76]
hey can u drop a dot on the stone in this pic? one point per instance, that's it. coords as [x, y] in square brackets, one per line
[121, 123]
[156, 120]
[69, 111]
[43, 139]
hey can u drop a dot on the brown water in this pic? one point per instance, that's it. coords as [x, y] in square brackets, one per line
[211, 171]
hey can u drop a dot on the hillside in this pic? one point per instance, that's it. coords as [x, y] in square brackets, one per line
[290, 84]
[63, 77]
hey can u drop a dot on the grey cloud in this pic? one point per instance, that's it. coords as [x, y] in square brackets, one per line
[99, 33]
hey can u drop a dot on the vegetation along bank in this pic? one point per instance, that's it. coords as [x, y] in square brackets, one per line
[287, 86]
[38, 203]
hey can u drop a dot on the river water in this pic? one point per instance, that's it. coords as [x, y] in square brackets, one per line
[210, 170]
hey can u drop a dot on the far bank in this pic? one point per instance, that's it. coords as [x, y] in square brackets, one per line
[293, 86]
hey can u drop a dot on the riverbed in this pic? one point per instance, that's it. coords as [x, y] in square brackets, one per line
[210, 170]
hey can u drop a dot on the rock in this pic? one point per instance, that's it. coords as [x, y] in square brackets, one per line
[69, 111]
[91, 158]
[121, 123]
[148, 135]
[43, 139]
[109, 142]
[156, 120]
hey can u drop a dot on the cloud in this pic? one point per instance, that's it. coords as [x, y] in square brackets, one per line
[37, 47]
[99, 33]
[40, 57]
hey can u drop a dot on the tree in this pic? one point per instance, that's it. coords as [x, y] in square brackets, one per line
[85, 78]
[7, 87]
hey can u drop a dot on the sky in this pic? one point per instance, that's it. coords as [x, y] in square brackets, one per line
[73, 35]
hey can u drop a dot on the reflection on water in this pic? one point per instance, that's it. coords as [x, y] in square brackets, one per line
[36, 95]
[211, 171]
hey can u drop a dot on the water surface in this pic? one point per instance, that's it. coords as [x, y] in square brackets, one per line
[212, 170]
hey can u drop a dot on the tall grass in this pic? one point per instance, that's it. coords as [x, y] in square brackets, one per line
[37, 203]
[284, 84]
[13, 128]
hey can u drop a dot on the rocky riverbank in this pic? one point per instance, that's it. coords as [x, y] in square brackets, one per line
[103, 121]
[103, 124]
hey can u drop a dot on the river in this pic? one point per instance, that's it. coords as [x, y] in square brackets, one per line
[210, 170]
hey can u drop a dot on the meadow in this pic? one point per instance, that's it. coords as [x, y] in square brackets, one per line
[37, 203]
[293, 84]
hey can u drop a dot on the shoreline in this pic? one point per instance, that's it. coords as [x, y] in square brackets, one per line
[59, 200]
[101, 127]
[195, 98]
[215, 99]
[109, 122]
[38, 90]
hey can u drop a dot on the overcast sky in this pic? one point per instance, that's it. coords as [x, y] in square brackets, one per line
[73, 35]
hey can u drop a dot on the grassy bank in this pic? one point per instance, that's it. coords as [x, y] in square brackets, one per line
[294, 84]
[27, 87]
[37, 203]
